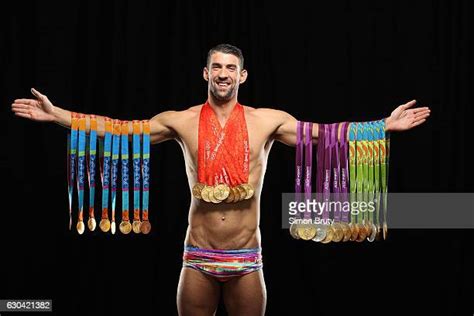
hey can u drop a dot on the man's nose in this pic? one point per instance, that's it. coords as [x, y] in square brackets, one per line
[223, 73]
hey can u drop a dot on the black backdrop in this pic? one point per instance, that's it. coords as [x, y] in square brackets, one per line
[320, 61]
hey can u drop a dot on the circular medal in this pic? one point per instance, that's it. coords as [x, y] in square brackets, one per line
[321, 231]
[346, 229]
[329, 235]
[231, 196]
[205, 193]
[354, 231]
[221, 191]
[385, 231]
[236, 194]
[80, 227]
[338, 232]
[125, 227]
[368, 228]
[136, 227]
[242, 192]
[91, 224]
[197, 188]
[212, 198]
[249, 190]
[373, 233]
[306, 231]
[294, 231]
[112, 228]
[104, 225]
[362, 233]
[145, 227]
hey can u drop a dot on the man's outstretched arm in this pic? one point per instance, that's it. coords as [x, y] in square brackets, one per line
[403, 118]
[42, 110]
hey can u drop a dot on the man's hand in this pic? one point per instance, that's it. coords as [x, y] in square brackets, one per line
[403, 118]
[41, 109]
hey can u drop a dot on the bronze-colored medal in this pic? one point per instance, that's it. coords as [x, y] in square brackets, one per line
[125, 227]
[221, 191]
[80, 227]
[104, 225]
[91, 224]
[145, 227]
[362, 233]
[197, 188]
[306, 231]
[354, 231]
[136, 226]
[346, 229]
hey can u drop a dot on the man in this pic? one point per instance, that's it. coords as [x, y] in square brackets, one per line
[217, 232]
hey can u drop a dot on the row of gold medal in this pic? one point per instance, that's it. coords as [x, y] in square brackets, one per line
[338, 231]
[125, 226]
[222, 192]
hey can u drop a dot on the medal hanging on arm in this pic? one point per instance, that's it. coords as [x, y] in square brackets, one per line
[353, 178]
[105, 175]
[145, 226]
[343, 147]
[136, 177]
[320, 227]
[115, 162]
[360, 181]
[125, 227]
[327, 183]
[91, 223]
[81, 170]
[384, 156]
[307, 230]
[298, 175]
[377, 178]
[366, 181]
[371, 184]
[336, 186]
[71, 161]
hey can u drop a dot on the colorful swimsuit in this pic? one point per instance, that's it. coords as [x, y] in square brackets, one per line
[223, 264]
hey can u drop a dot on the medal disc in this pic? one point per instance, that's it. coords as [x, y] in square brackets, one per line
[373, 233]
[212, 198]
[242, 192]
[221, 191]
[385, 231]
[104, 225]
[80, 227]
[91, 224]
[136, 227]
[112, 228]
[362, 233]
[231, 196]
[346, 229]
[329, 235]
[321, 231]
[338, 232]
[145, 227]
[205, 193]
[354, 231]
[125, 227]
[306, 231]
[294, 231]
[197, 188]
[249, 190]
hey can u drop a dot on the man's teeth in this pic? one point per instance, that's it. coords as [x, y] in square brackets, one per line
[223, 84]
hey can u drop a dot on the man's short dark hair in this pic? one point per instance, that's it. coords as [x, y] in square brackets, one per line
[227, 49]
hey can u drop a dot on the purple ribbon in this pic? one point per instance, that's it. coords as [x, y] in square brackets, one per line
[344, 169]
[299, 162]
[308, 163]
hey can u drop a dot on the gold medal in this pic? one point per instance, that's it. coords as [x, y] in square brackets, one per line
[346, 229]
[338, 232]
[294, 231]
[362, 233]
[136, 226]
[368, 228]
[221, 191]
[80, 227]
[197, 188]
[231, 196]
[104, 225]
[212, 198]
[354, 231]
[249, 190]
[242, 192]
[145, 227]
[321, 231]
[205, 193]
[91, 224]
[125, 227]
[306, 231]
[329, 235]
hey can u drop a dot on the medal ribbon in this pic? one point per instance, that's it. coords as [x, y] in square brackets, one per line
[136, 170]
[81, 165]
[115, 160]
[353, 166]
[71, 161]
[105, 170]
[376, 145]
[299, 162]
[125, 177]
[384, 148]
[370, 162]
[320, 164]
[223, 153]
[336, 170]
[360, 168]
[146, 168]
[344, 168]
[327, 171]
[92, 163]
[308, 163]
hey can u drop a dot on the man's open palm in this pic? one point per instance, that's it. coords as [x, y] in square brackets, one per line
[39, 109]
[404, 117]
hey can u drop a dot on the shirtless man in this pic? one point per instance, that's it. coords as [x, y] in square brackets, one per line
[224, 226]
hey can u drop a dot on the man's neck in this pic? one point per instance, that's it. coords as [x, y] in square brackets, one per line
[222, 108]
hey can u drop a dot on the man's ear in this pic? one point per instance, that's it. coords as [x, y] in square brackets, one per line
[243, 75]
[205, 74]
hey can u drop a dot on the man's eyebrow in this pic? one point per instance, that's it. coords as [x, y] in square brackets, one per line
[220, 65]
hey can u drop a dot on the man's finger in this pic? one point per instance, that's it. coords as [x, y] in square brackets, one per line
[421, 115]
[416, 123]
[36, 93]
[25, 101]
[20, 106]
[28, 116]
[22, 111]
[409, 104]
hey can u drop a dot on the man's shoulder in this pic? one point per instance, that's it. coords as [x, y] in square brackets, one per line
[269, 113]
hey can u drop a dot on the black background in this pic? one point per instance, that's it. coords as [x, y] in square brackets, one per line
[320, 61]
